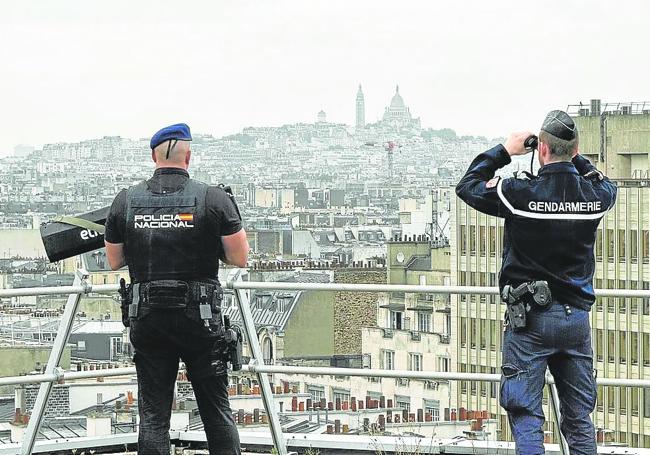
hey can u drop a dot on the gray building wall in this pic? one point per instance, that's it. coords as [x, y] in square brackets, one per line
[98, 345]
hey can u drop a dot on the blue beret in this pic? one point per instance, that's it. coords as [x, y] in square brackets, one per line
[179, 132]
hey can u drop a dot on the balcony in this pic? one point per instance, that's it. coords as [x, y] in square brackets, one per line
[278, 436]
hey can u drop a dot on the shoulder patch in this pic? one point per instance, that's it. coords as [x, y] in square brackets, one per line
[492, 183]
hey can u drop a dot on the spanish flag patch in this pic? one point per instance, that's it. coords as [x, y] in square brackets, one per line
[186, 217]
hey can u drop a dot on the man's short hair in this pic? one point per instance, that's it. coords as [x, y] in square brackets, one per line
[559, 147]
[560, 133]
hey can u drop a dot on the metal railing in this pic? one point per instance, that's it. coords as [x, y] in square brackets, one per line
[53, 373]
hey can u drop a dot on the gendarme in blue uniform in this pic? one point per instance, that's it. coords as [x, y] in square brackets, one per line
[550, 229]
[550, 221]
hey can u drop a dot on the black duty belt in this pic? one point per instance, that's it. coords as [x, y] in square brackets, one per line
[176, 294]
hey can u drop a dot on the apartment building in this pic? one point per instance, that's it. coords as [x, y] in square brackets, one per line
[413, 330]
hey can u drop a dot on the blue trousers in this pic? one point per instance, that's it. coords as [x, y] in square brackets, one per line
[160, 339]
[561, 342]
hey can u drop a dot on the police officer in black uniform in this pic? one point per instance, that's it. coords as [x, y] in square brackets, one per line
[170, 230]
[550, 229]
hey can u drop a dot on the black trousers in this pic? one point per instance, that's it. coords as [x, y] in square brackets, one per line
[160, 338]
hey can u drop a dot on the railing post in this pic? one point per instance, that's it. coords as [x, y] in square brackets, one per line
[555, 401]
[62, 334]
[257, 358]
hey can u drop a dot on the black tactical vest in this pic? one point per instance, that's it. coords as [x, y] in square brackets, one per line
[168, 235]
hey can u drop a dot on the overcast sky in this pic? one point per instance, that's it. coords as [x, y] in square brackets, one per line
[75, 70]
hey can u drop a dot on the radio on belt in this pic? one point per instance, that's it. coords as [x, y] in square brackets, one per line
[68, 236]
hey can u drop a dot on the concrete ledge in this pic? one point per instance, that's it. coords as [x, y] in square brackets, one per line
[326, 444]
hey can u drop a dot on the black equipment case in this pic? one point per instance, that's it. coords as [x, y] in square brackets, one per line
[63, 239]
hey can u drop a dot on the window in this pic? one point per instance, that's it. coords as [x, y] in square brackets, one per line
[415, 362]
[611, 346]
[424, 321]
[634, 246]
[599, 398]
[463, 332]
[634, 303]
[463, 239]
[494, 334]
[340, 394]
[317, 392]
[432, 407]
[610, 245]
[622, 303]
[493, 385]
[472, 332]
[430, 385]
[482, 240]
[483, 334]
[622, 399]
[403, 402]
[463, 384]
[388, 360]
[493, 241]
[117, 348]
[634, 400]
[599, 245]
[472, 384]
[81, 345]
[645, 246]
[472, 240]
[396, 320]
[444, 364]
[646, 353]
[646, 302]
[646, 307]
[621, 245]
[622, 338]
[634, 348]
[599, 345]
[462, 281]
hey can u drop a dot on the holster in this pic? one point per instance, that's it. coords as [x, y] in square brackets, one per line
[516, 314]
[228, 348]
[125, 301]
[521, 299]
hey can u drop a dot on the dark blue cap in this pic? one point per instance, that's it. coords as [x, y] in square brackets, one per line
[560, 124]
[178, 132]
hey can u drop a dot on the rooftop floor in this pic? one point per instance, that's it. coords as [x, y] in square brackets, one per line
[323, 444]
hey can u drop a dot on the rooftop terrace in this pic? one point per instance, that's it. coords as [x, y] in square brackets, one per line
[278, 434]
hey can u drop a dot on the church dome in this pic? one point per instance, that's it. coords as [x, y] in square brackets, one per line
[397, 102]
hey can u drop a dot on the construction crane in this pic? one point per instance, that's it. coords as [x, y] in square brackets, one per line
[389, 148]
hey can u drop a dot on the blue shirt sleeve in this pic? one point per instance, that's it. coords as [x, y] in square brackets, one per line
[599, 181]
[478, 187]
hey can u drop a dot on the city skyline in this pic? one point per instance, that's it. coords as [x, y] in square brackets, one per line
[76, 71]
